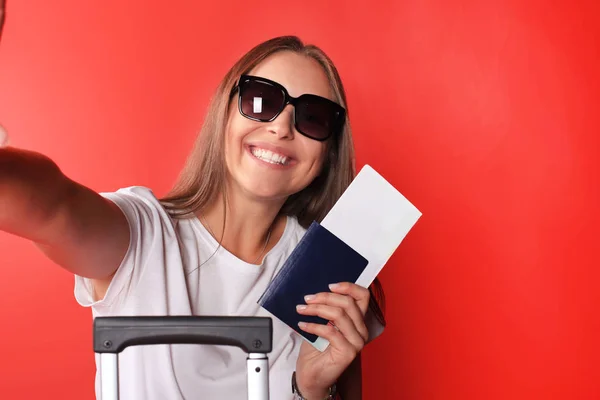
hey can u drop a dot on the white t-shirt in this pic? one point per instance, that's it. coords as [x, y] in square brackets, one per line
[161, 274]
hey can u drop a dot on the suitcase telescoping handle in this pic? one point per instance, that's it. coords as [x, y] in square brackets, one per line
[254, 335]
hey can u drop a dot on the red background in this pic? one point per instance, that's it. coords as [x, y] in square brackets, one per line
[484, 114]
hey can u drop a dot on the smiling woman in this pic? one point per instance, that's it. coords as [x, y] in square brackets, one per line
[275, 154]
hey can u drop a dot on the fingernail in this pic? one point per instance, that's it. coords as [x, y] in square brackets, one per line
[309, 297]
[300, 307]
[302, 325]
[334, 286]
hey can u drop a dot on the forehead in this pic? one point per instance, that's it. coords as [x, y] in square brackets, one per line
[299, 74]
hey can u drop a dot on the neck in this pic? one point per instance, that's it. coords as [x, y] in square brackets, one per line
[246, 228]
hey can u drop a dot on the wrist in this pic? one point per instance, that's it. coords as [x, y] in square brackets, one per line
[306, 391]
[315, 394]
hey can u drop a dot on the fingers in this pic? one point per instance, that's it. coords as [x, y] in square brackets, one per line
[346, 303]
[360, 294]
[339, 318]
[345, 308]
[335, 337]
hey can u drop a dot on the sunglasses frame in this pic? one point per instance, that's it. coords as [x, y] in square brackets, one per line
[334, 131]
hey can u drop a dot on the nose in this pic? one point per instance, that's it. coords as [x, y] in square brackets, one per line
[282, 126]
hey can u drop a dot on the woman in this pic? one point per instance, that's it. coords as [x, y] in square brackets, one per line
[274, 154]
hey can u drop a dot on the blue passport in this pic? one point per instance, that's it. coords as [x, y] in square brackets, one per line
[319, 259]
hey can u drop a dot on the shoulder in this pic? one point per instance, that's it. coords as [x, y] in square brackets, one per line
[138, 194]
[292, 235]
[296, 231]
[135, 198]
[141, 207]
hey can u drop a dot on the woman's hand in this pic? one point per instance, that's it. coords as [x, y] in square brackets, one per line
[347, 334]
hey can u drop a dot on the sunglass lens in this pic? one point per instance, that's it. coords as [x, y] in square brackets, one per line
[261, 100]
[316, 117]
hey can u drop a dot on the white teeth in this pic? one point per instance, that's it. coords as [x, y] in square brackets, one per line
[269, 156]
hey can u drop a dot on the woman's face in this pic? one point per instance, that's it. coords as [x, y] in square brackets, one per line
[271, 160]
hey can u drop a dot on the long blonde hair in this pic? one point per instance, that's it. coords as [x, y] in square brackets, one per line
[203, 177]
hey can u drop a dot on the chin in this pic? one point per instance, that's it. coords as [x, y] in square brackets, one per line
[262, 193]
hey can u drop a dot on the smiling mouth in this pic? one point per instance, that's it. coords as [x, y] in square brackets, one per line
[269, 156]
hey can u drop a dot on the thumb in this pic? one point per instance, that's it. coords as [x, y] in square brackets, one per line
[3, 137]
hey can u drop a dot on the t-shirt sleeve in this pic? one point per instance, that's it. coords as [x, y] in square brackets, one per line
[148, 223]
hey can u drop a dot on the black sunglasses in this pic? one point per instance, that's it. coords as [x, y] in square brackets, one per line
[316, 117]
